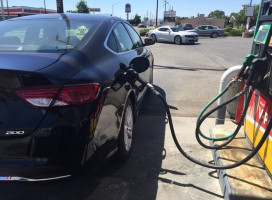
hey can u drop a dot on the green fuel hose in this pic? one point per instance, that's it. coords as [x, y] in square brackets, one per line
[247, 62]
[204, 109]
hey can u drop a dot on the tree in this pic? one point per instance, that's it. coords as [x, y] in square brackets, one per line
[241, 19]
[137, 19]
[217, 14]
[82, 7]
[71, 11]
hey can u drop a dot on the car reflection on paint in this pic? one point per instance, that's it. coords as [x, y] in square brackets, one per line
[58, 109]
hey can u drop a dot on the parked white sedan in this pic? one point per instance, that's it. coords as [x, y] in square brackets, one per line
[173, 34]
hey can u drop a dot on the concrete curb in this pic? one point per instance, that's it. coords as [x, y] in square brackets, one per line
[223, 178]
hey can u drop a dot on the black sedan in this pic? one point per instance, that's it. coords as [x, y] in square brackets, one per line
[60, 107]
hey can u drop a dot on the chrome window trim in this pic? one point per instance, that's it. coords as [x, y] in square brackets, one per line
[106, 41]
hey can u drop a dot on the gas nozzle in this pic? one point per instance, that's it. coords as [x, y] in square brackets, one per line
[130, 74]
[247, 62]
[258, 65]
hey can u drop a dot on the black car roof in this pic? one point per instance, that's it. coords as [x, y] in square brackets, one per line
[73, 16]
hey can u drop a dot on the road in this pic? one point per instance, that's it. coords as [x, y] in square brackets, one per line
[188, 75]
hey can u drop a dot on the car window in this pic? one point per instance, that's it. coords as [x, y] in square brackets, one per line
[137, 42]
[202, 28]
[123, 38]
[44, 35]
[163, 29]
[197, 27]
[209, 27]
[112, 43]
[177, 29]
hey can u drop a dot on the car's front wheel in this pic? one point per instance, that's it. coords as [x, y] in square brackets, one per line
[177, 40]
[153, 37]
[126, 132]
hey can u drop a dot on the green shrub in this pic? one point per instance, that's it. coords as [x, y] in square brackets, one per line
[236, 32]
[251, 33]
[228, 29]
[143, 32]
[227, 34]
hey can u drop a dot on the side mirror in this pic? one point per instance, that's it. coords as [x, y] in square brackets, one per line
[140, 64]
[149, 41]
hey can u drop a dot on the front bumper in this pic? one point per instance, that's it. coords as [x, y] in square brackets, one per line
[190, 39]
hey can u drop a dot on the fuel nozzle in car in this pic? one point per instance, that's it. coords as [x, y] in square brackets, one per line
[257, 67]
[131, 75]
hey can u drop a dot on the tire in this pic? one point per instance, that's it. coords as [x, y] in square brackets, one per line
[177, 40]
[151, 75]
[214, 35]
[153, 37]
[126, 132]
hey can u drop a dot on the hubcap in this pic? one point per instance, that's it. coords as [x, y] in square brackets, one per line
[153, 38]
[128, 127]
[177, 40]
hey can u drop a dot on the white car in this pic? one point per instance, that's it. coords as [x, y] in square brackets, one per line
[173, 34]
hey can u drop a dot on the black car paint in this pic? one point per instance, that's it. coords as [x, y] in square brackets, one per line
[65, 136]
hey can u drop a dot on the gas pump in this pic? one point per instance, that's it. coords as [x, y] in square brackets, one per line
[257, 92]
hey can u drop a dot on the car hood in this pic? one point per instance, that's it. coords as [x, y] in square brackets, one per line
[192, 30]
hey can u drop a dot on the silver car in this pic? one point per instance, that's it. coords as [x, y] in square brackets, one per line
[173, 34]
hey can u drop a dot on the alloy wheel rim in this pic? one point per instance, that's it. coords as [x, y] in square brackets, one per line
[128, 127]
[177, 40]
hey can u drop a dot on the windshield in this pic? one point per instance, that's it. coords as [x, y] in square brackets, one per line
[177, 29]
[44, 34]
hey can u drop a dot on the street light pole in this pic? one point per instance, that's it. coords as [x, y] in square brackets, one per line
[2, 8]
[113, 7]
[8, 9]
[157, 14]
[44, 6]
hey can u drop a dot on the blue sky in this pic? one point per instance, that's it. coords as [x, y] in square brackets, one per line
[184, 8]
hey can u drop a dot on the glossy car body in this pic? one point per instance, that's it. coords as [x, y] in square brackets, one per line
[208, 30]
[187, 26]
[58, 108]
[173, 34]
[141, 26]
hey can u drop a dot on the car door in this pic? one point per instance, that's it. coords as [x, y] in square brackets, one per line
[201, 30]
[127, 49]
[209, 30]
[160, 34]
[165, 35]
[141, 50]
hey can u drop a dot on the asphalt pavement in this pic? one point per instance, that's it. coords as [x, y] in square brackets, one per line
[188, 76]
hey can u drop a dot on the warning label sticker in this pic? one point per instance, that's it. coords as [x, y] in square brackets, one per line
[80, 32]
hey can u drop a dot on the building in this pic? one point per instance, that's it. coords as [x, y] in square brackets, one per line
[19, 11]
[202, 20]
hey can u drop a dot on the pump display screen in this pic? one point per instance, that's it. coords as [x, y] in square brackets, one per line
[261, 35]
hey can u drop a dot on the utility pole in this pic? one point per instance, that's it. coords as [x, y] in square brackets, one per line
[44, 6]
[8, 9]
[157, 14]
[2, 8]
[165, 3]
